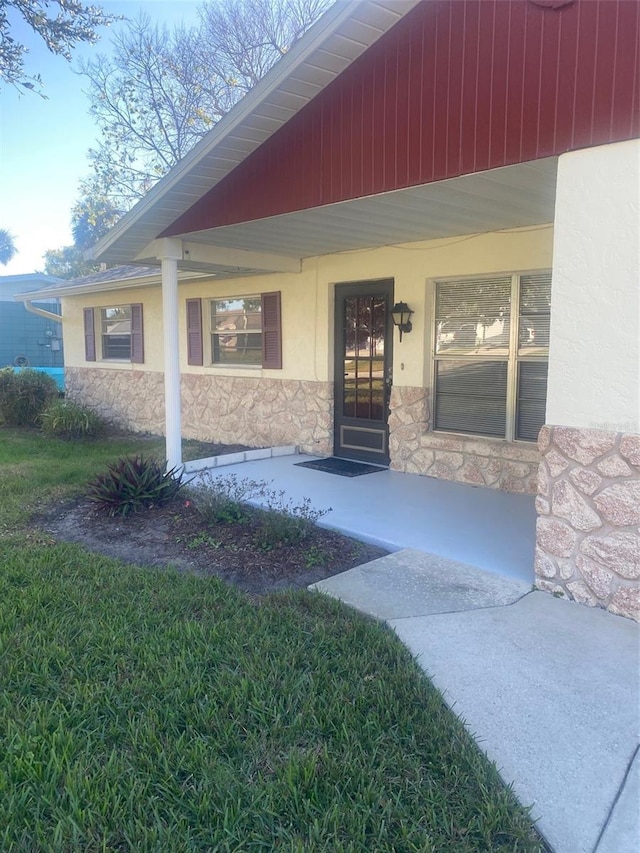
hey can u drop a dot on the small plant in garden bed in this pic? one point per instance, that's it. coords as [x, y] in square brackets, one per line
[68, 420]
[132, 484]
[223, 500]
[198, 540]
[315, 556]
[284, 522]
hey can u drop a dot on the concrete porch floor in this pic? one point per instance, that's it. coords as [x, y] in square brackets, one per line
[492, 530]
[550, 689]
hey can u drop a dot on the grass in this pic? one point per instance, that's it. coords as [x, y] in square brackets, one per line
[149, 711]
[36, 470]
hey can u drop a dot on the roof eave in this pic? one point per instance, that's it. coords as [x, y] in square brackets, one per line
[103, 286]
[313, 40]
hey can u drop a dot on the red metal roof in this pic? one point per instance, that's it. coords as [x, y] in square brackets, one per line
[453, 88]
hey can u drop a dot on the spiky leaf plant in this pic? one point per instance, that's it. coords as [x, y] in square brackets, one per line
[132, 484]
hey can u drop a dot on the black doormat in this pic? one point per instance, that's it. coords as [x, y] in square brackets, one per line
[342, 467]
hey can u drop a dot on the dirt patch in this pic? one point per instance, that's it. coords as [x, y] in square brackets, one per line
[175, 535]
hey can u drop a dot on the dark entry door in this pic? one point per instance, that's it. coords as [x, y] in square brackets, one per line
[363, 359]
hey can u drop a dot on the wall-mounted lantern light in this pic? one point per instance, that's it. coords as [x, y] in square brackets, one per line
[401, 314]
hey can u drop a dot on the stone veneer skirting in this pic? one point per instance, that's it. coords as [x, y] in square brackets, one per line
[588, 529]
[259, 412]
[512, 467]
[225, 409]
[132, 399]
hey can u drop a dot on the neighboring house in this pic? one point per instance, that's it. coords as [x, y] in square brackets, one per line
[27, 339]
[476, 160]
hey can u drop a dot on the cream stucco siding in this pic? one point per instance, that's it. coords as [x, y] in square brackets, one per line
[594, 363]
[294, 405]
[307, 300]
[587, 539]
[73, 326]
[413, 265]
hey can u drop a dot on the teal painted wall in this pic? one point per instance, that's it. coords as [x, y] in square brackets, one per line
[25, 334]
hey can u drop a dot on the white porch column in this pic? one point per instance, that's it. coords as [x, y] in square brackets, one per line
[170, 254]
[594, 359]
[588, 534]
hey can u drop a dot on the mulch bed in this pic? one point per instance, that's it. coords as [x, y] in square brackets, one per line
[175, 536]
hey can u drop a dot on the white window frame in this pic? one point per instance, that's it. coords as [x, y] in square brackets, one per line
[512, 360]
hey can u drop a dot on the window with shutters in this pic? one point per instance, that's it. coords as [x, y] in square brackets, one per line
[491, 352]
[245, 331]
[121, 333]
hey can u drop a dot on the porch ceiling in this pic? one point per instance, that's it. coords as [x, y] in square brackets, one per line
[508, 197]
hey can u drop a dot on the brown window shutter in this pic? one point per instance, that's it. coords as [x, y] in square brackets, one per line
[137, 334]
[194, 331]
[89, 335]
[271, 331]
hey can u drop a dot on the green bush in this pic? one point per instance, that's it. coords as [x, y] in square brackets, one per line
[68, 420]
[23, 396]
[132, 484]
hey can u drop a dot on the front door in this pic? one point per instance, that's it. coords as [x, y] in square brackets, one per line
[363, 359]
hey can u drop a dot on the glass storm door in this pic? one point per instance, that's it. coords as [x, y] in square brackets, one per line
[363, 362]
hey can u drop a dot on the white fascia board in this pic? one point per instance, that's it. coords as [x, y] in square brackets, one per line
[310, 42]
[104, 286]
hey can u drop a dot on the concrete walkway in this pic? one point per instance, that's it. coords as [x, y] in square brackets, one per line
[549, 688]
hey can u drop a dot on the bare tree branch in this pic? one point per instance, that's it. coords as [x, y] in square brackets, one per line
[162, 90]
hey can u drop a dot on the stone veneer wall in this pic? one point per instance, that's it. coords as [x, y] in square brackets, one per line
[226, 409]
[512, 467]
[588, 529]
[259, 412]
[132, 399]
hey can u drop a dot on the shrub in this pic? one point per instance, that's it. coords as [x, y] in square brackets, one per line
[66, 419]
[221, 500]
[24, 395]
[284, 522]
[132, 484]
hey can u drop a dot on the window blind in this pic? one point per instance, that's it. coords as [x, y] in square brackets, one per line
[479, 367]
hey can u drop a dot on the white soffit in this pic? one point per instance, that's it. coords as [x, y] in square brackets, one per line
[508, 197]
[343, 33]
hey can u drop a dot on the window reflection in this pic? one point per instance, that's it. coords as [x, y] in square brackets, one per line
[116, 332]
[236, 330]
[364, 331]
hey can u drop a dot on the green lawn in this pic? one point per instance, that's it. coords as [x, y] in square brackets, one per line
[142, 710]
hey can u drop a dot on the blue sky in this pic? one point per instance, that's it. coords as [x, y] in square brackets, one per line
[43, 143]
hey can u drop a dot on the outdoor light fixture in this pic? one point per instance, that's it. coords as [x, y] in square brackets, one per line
[401, 314]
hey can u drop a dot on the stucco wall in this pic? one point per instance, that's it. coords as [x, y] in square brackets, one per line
[220, 395]
[72, 307]
[594, 362]
[588, 539]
